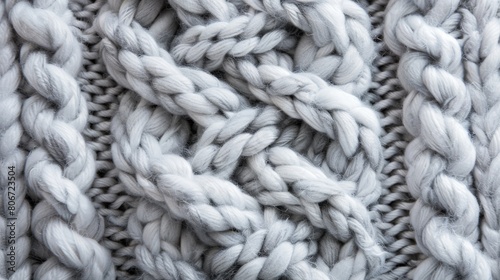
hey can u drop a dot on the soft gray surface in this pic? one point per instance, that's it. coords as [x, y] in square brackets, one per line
[251, 139]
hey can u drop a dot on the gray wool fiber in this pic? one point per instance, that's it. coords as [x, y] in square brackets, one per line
[250, 139]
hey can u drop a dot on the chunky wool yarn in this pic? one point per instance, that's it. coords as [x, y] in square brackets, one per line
[249, 139]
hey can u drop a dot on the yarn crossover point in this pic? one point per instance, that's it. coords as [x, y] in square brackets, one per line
[249, 139]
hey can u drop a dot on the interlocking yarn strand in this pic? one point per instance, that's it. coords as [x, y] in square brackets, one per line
[480, 50]
[12, 158]
[249, 139]
[61, 167]
[224, 141]
[441, 156]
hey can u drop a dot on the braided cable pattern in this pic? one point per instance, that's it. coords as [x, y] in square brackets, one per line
[341, 27]
[13, 222]
[250, 139]
[61, 168]
[230, 130]
[147, 217]
[441, 157]
[170, 190]
[222, 214]
[237, 45]
[153, 226]
[307, 97]
[327, 204]
[481, 65]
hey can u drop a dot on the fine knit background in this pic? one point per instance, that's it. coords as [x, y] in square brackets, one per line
[250, 139]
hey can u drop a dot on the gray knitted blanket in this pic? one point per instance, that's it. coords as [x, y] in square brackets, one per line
[250, 139]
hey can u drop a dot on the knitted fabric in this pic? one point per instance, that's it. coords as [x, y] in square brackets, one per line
[249, 139]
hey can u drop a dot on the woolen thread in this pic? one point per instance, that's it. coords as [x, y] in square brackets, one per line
[250, 139]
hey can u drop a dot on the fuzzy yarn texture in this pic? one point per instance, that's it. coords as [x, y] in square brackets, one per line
[250, 139]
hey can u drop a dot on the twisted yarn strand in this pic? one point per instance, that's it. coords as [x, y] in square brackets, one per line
[318, 198]
[250, 139]
[217, 130]
[219, 208]
[198, 210]
[154, 226]
[298, 100]
[167, 263]
[440, 158]
[340, 26]
[481, 65]
[12, 158]
[61, 168]
[235, 43]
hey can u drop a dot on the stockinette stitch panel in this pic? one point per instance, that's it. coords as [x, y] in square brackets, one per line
[249, 139]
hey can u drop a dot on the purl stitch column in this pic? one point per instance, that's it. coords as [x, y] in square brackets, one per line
[102, 95]
[395, 201]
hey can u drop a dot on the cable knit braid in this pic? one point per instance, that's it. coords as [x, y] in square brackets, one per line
[345, 62]
[220, 212]
[297, 101]
[228, 154]
[277, 195]
[61, 169]
[250, 139]
[441, 157]
[173, 135]
[12, 158]
[151, 227]
[216, 220]
[339, 26]
[314, 195]
[232, 43]
[481, 49]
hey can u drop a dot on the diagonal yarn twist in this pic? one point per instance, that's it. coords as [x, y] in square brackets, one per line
[249, 139]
